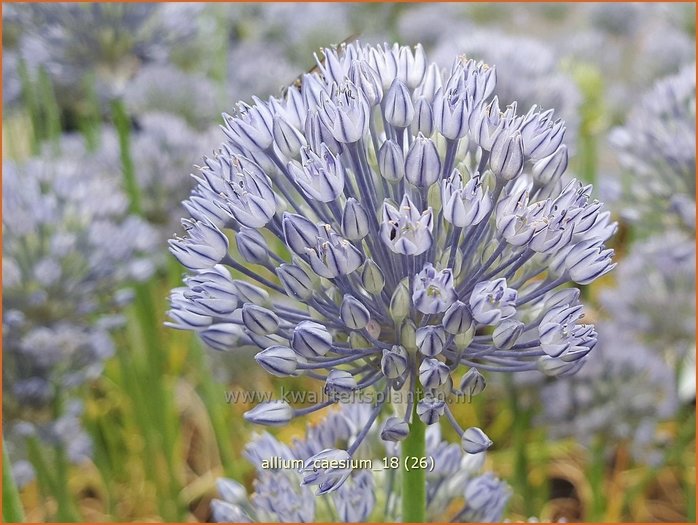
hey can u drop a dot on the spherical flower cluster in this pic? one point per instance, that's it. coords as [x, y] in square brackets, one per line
[69, 249]
[281, 493]
[623, 393]
[391, 223]
[109, 40]
[654, 297]
[657, 148]
[163, 88]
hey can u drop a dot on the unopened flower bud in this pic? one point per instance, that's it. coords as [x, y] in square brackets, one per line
[552, 167]
[433, 373]
[354, 220]
[391, 162]
[430, 409]
[372, 277]
[422, 163]
[473, 382]
[252, 245]
[311, 339]
[259, 320]
[394, 362]
[394, 429]
[295, 281]
[507, 159]
[354, 314]
[457, 319]
[475, 440]
[272, 413]
[339, 383]
[431, 340]
[278, 360]
[400, 302]
[506, 333]
[397, 104]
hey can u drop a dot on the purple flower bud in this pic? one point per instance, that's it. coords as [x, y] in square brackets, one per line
[252, 245]
[295, 281]
[278, 360]
[556, 367]
[422, 163]
[450, 113]
[391, 161]
[430, 84]
[287, 138]
[354, 220]
[472, 383]
[398, 108]
[272, 413]
[430, 409]
[423, 122]
[551, 168]
[507, 333]
[431, 340]
[259, 320]
[339, 383]
[249, 293]
[221, 336]
[507, 159]
[231, 491]
[433, 373]
[457, 319]
[410, 67]
[394, 362]
[299, 233]
[354, 314]
[367, 80]
[475, 441]
[394, 429]
[311, 339]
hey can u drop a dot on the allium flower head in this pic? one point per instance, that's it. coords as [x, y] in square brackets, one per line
[110, 40]
[346, 178]
[69, 250]
[163, 88]
[282, 487]
[657, 148]
[657, 304]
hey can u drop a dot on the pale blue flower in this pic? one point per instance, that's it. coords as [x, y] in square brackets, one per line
[394, 249]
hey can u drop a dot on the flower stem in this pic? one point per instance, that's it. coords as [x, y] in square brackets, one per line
[414, 479]
[11, 505]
